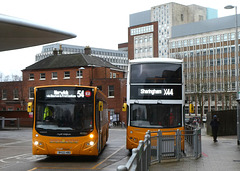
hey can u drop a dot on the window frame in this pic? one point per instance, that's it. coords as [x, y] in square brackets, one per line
[42, 76]
[54, 77]
[111, 91]
[67, 75]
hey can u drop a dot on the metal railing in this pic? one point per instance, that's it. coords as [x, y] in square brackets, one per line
[164, 145]
[3, 119]
[140, 158]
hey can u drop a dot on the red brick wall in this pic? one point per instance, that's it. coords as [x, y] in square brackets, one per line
[99, 76]
[10, 102]
[119, 98]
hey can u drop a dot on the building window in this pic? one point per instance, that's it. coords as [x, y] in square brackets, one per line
[66, 74]
[10, 109]
[42, 76]
[54, 76]
[182, 18]
[4, 94]
[111, 91]
[31, 76]
[114, 75]
[81, 74]
[31, 93]
[15, 94]
[200, 18]
[110, 74]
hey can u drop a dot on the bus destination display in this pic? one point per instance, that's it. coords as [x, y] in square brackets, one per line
[156, 92]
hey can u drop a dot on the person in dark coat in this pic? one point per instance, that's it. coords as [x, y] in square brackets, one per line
[214, 124]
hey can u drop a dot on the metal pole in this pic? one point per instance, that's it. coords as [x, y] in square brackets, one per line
[237, 79]
[81, 68]
[79, 76]
[237, 70]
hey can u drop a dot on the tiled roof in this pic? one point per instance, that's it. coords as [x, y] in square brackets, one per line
[68, 61]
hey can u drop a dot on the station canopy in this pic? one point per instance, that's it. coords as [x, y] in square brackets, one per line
[16, 33]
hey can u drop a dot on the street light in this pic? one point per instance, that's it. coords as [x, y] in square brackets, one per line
[237, 69]
[79, 76]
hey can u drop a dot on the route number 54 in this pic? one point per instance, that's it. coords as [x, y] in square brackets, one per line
[80, 93]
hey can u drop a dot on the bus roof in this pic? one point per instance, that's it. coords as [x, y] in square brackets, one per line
[154, 60]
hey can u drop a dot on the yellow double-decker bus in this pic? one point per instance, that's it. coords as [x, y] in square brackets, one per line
[155, 98]
[69, 120]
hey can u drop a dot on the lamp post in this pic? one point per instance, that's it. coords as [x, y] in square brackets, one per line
[79, 76]
[237, 70]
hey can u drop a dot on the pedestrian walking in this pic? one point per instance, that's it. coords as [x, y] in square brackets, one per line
[215, 124]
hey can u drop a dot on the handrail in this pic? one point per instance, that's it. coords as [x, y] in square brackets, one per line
[140, 159]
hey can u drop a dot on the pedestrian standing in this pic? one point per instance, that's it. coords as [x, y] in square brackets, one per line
[215, 124]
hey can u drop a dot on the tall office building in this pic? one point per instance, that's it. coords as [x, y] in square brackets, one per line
[118, 58]
[166, 15]
[208, 50]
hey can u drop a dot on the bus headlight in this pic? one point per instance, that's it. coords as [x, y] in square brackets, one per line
[88, 144]
[91, 143]
[39, 144]
[91, 135]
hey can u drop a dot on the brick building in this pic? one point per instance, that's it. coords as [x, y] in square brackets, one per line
[11, 96]
[72, 69]
[143, 41]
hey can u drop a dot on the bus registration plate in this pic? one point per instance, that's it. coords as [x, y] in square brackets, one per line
[64, 152]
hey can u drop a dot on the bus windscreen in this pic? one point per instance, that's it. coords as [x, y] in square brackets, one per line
[64, 112]
[156, 115]
[156, 73]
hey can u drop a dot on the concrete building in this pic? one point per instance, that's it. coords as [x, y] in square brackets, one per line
[208, 50]
[118, 58]
[166, 15]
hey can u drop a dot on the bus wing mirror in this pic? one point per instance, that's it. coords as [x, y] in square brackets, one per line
[124, 108]
[30, 106]
[100, 106]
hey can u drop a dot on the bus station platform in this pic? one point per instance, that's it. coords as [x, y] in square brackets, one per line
[223, 155]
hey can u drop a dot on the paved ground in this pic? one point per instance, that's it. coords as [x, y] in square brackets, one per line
[16, 154]
[221, 156]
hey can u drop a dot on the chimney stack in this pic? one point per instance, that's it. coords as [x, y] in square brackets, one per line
[60, 50]
[87, 50]
[55, 52]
